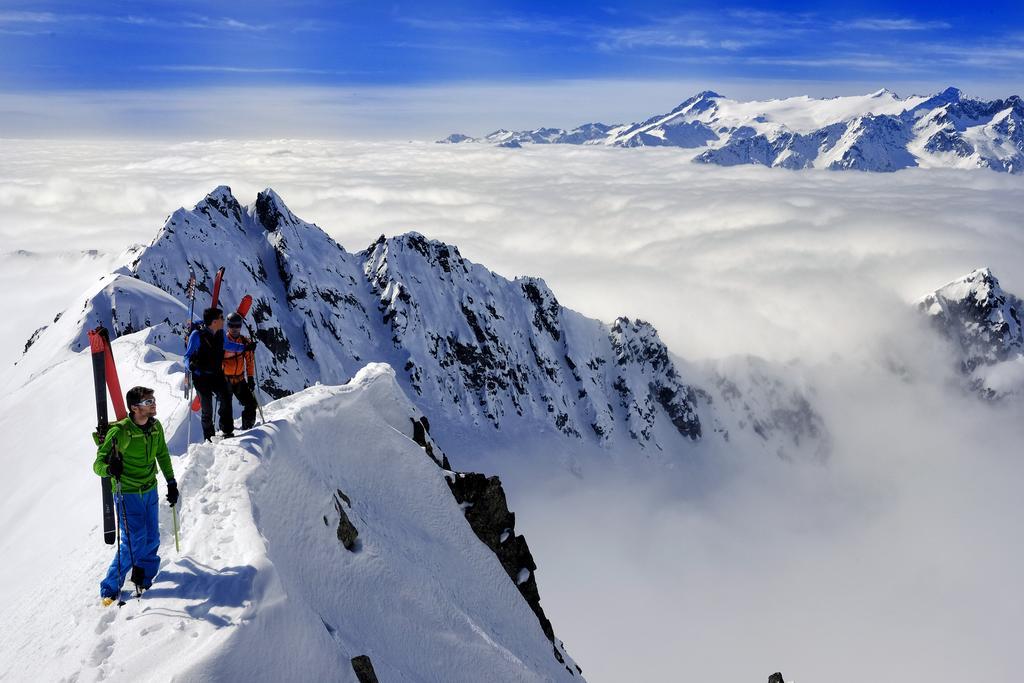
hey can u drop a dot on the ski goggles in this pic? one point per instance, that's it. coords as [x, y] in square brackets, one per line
[147, 402]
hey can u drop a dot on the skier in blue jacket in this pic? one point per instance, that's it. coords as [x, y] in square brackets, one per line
[204, 359]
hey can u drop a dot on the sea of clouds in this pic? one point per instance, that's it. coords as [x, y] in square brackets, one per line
[897, 560]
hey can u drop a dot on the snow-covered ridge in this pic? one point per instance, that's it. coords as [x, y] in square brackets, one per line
[325, 535]
[876, 132]
[983, 322]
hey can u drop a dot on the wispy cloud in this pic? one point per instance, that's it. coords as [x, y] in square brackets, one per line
[903, 24]
[221, 23]
[733, 31]
[27, 17]
[202, 22]
[218, 68]
[510, 24]
[444, 47]
[620, 39]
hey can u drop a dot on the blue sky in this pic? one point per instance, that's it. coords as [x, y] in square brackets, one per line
[76, 48]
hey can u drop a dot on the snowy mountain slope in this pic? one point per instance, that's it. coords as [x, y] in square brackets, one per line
[262, 585]
[984, 323]
[875, 132]
[76, 269]
[475, 350]
[768, 408]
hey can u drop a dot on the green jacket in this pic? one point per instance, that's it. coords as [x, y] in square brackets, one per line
[141, 449]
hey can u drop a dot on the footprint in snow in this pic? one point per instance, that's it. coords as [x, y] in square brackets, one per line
[102, 651]
[105, 621]
[150, 629]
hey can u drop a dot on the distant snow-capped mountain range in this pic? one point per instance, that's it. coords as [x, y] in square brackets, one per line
[876, 132]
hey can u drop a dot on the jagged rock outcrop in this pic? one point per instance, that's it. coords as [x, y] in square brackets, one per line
[984, 323]
[483, 502]
[346, 530]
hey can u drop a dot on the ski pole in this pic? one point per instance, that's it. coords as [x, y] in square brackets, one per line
[191, 291]
[188, 416]
[255, 369]
[117, 527]
[256, 377]
[174, 516]
[136, 579]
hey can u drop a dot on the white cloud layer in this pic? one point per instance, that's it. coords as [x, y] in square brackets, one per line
[897, 561]
[722, 261]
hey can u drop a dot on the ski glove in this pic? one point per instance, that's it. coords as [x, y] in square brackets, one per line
[251, 346]
[172, 493]
[252, 384]
[115, 465]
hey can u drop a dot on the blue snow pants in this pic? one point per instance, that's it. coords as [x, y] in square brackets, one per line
[140, 513]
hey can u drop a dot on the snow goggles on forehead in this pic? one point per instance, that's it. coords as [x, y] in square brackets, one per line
[147, 402]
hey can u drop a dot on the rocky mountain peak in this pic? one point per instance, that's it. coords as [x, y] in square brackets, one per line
[638, 342]
[702, 101]
[221, 202]
[272, 212]
[982, 320]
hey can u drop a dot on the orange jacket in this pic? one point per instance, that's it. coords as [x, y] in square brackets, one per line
[238, 362]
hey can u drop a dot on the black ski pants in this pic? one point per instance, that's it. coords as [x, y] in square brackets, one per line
[209, 387]
[244, 395]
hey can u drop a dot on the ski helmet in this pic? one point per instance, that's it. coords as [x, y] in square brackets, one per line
[234, 320]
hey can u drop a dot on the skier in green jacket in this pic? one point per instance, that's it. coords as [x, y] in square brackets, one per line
[131, 452]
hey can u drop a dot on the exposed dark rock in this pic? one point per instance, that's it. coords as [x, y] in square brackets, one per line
[546, 307]
[488, 515]
[776, 678]
[34, 337]
[421, 435]
[347, 532]
[364, 669]
[223, 202]
[268, 212]
[679, 408]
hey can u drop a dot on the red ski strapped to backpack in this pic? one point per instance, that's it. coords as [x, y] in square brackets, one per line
[105, 381]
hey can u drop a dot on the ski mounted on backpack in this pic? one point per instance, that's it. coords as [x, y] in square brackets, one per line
[216, 286]
[105, 381]
[190, 291]
[243, 310]
[99, 376]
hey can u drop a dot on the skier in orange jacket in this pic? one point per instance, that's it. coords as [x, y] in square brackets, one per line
[240, 368]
